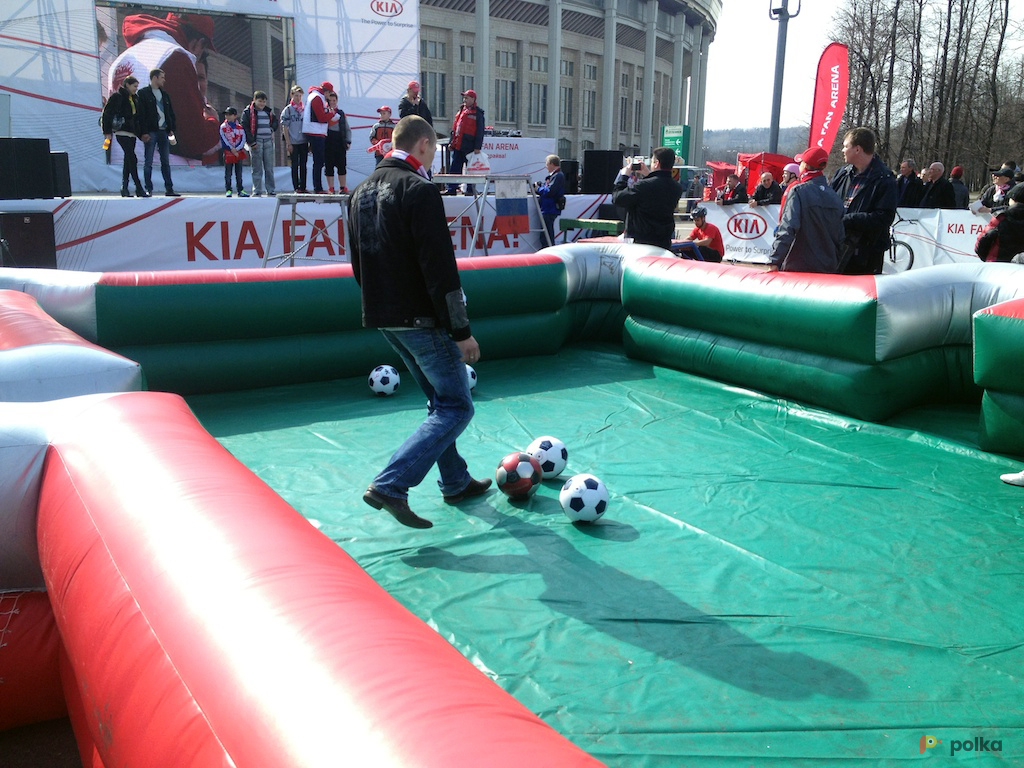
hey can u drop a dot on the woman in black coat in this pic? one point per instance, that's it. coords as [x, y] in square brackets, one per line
[120, 119]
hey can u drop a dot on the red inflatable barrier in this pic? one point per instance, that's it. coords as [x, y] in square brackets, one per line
[30, 690]
[207, 623]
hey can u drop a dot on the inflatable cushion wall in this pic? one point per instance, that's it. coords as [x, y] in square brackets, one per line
[999, 369]
[206, 623]
[222, 330]
[42, 360]
[865, 346]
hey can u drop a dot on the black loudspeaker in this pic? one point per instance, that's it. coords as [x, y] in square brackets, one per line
[600, 167]
[28, 239]
[61, 174]
[27, 169]
[571, 169]
[611, 212]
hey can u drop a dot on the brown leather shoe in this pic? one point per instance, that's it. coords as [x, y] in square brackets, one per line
[475, 488]
[397, 508]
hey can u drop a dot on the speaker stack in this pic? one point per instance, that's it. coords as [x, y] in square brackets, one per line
[600, 167]
[27, 169]
[571, 169]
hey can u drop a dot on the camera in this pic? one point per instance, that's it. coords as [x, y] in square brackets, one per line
[636, 165]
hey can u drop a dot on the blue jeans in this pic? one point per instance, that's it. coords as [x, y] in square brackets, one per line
[435, 363]
[157, 138]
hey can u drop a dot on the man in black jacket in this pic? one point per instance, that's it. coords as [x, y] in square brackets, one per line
[909, 187]
[868, 191]
[156, 125]
[651, 202]
[404, 261]
[938, 191]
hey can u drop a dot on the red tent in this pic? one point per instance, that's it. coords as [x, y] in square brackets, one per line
[756, 164]
[718, 173]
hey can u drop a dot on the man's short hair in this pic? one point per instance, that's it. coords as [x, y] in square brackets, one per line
[910, 162]
[155, 73]
[666, 157]
[863, 138]
[733, 176]
[259, 95]
[554, 160]
[410, 130]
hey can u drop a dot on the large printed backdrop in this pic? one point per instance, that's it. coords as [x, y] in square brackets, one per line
[53, 53]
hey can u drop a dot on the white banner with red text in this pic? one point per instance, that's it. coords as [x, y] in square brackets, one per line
[934, 236]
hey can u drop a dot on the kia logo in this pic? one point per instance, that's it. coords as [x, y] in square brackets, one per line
[386, 7]
[747, 226]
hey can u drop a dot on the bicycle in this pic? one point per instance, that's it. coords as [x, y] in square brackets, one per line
[900, 256]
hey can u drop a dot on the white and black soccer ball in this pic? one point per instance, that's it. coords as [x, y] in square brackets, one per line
[584, 498]
[384, 380]
[471, 375]
[551, 453]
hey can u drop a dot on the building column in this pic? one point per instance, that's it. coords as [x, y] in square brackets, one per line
[677, 107]
[701, 92]
[554, 67]
[650, 134]
[484, 56]
[695, 113]
[608, 85]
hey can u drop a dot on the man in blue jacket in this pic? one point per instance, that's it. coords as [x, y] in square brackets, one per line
[404, 262]
[868, 191]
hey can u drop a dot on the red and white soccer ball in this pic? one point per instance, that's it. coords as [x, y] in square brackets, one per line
[518, 476]
[551, 453]
[384, 380]
[584, 498]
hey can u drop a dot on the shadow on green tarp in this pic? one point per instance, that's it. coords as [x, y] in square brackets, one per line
[772, 584]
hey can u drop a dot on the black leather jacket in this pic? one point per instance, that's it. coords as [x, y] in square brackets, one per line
[402, 253]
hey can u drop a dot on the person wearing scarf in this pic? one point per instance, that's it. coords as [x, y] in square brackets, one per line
[810, 229]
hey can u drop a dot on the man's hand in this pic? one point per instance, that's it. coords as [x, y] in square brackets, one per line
[470, 350]
[288, 149]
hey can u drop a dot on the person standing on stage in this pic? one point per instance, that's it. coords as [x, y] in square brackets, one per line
[467, 136]
[296, 144]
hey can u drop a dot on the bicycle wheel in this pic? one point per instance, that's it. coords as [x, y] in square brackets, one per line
[899, 258]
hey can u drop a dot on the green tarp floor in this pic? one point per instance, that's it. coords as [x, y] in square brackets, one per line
[772, 584]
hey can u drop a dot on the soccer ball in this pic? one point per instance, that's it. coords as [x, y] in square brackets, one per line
[518, 475]
[551, 453]
[471, 375]
[384, 380]
[583, 498]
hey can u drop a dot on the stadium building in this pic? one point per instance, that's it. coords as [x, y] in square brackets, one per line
[623, 68]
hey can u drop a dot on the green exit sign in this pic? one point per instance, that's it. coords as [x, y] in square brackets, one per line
[677, 137]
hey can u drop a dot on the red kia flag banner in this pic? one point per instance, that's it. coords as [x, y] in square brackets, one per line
[830, 93]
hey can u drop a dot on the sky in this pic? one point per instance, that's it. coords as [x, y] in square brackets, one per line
[741, 64]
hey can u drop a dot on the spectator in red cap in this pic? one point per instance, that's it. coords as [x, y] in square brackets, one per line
[961, 195]
[315, 121]
[412, 103]
[380, 133]
[810, 230]
[467, 136]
